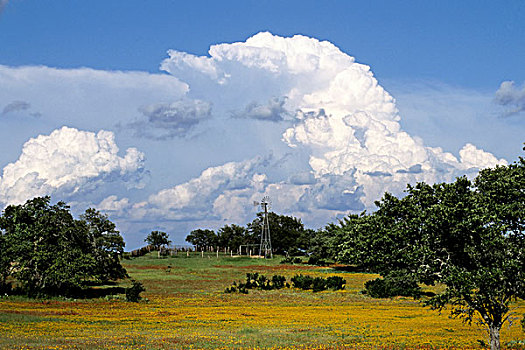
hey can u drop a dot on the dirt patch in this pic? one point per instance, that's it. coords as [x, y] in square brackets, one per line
[268, 268]
[154, 267]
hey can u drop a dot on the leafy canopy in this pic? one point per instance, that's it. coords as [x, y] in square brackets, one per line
[157, 239]
[48, 252]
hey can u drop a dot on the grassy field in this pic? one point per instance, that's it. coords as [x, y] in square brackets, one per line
[187, 309]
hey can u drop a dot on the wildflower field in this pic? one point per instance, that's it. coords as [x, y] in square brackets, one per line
[186, 308]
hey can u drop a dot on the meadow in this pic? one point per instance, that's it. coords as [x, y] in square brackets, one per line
[185, 307]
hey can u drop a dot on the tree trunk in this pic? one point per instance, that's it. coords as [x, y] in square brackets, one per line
[494, 337]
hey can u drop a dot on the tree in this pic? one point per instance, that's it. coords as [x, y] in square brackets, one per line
[108, 245]
[202, 239]
[48, 252]
[157, 239]
[288, 235]
[232, 236]
[467, 236]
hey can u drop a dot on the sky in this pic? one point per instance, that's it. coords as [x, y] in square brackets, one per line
[173, 116]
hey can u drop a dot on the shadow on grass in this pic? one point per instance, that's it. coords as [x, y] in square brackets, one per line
[80, 293]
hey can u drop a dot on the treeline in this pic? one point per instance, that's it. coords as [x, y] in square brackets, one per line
[46, 251]
[288, 236]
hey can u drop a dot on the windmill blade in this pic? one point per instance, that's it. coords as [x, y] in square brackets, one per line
[266, 202]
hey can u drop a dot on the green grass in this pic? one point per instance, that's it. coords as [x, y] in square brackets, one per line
[187, 308]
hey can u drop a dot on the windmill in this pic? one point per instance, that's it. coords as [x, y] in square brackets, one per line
[265, 249]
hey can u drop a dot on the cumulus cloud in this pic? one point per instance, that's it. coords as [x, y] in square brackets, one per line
[335, 133]
[16, 106]
[165, 121]
[509, 95]
[193, 200]
[98, 98]
[273, 111]
[345, 124]
[68, 162]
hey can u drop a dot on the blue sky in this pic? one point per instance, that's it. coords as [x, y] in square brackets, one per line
[468, 43]
[200, 134]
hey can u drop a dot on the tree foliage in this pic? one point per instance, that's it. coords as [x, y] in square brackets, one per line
[288, 235]
[233, 236]
[202, 239]
[157, 239]
[48, 252]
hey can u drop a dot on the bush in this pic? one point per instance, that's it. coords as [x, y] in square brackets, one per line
[393, 285]
[292, 260]
[319, 284]
[133, 292]
[234, 288]
[302, 282]
[256, 281]
[314, 260]
[335, 282]
[278, 282]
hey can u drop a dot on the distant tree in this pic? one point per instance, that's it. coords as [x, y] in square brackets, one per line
[48, 252]
[157, 239]
[288, 235]
[232, 236]
[202, 239]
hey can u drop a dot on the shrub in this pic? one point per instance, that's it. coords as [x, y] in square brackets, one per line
[133, 292]
[256, 281]
[393, 285]
[234, 288]
[302, 282]
[319, 284]
[292, 260]
[335, 282]
[278, 282]
[314, 260]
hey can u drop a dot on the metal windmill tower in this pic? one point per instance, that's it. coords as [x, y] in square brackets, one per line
[265, 249]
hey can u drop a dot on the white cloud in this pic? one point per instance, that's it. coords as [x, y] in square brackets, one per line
[194, 199]
[68, 162]
[336, 134]
[511, 96]
[84, 96]
[344, 123]
[472, 157]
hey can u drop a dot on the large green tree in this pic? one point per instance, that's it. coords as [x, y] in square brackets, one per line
[48, 252]
[467, 236]
[107, 243]
[287, 233]
[202, 239]
[157, 239]
[233, 236]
